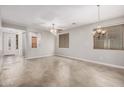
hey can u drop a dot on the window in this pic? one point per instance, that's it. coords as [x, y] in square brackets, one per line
[34, 42]
[17, 45]
[113, 39]
[64, 40]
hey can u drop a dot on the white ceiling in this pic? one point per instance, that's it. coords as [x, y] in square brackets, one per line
[61, 15]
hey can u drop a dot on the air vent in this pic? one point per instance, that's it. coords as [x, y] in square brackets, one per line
[73, 23]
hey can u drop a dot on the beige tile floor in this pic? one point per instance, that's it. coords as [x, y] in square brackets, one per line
[57, 71]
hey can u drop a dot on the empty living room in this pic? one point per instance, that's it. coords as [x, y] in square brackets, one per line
[62, 45]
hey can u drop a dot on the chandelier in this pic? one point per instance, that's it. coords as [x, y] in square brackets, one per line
[99, 31]
[53, 30]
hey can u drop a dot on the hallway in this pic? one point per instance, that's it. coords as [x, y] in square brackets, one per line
[57, 71]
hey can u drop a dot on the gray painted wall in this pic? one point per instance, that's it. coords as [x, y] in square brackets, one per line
[46, 45]
[0, 36]
[81, 45]
[0, 42]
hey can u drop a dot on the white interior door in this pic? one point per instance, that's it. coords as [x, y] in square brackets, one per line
[9, 43]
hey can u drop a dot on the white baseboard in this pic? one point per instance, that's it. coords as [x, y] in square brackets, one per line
[92, 61]
[39, 56]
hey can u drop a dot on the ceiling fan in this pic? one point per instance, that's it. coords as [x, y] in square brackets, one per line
[55, 30]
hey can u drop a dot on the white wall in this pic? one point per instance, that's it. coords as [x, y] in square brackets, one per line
[81, 45]
[46, 45]
[0, 36]
[0, 20]
[0, 42]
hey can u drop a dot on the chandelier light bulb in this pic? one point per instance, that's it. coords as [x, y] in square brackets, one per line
[103, 32]
[52, 30]
[99, 30]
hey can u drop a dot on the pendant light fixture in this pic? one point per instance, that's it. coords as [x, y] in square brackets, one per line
[99, 30]
[53, 30]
